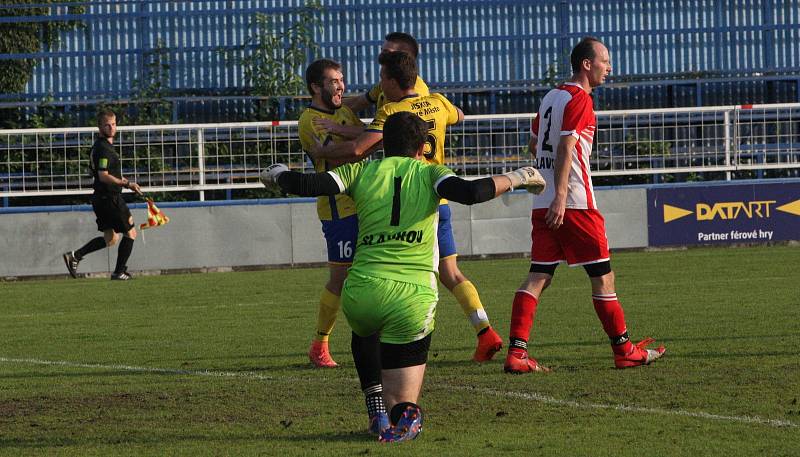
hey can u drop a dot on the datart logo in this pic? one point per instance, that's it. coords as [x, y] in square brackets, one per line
[755, 209]
[737, 213]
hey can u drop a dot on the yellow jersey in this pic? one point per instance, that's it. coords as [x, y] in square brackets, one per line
[375, 95]
[328, 207]
[434, 109]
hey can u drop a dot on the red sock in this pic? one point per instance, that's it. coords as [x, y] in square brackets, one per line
[522, 314]
[611, 315]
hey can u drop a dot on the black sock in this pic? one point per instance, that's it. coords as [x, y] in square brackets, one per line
[95, 244]
[518, 343]
[621, 339]
[367, 357]
[373, 396]
[123, 253]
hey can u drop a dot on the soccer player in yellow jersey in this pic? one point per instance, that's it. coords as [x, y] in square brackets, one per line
[398, 73]
[393, 42]
[337, 213]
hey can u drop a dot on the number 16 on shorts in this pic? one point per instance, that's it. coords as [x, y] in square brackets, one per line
[345, 249]
[340, 236]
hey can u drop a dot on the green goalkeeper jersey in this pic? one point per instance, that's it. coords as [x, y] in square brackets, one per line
[398, 214]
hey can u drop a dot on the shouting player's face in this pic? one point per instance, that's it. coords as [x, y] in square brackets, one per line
[600, 67]
[332, 89]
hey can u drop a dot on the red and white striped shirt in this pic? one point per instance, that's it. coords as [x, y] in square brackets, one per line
[565, 110]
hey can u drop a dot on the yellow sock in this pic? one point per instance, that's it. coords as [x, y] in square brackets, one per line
[467, 296]
[328, 307]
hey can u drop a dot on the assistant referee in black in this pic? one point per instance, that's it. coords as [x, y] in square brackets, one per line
[113, 216]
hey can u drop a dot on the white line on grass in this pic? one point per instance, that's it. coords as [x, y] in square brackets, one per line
[497, 393]
[638, 409]
[175, 371]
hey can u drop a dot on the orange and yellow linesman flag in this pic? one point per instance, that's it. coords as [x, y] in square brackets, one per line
[155, 216]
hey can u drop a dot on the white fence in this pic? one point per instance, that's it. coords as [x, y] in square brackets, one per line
[229, 156]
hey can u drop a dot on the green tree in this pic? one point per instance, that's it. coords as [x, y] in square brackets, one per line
[150, 92]
[48, 115]
[27, 38]
[273, 59]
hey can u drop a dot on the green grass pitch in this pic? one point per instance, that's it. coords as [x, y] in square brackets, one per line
[215, 364]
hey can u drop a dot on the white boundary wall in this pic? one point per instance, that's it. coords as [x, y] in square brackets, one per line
[257, 234]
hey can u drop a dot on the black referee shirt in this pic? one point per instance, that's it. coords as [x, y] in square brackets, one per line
[105, 159]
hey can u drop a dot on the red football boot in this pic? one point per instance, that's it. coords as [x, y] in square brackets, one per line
[518, 362]
[488, 345]
[319, 355]
[639, 355]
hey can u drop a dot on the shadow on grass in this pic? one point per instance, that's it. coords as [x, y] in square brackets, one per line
[342, 437]
[308, 441]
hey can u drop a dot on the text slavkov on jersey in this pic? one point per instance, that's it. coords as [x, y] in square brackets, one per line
[410, 236]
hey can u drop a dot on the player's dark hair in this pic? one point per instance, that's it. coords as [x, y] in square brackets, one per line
[104, 114]
[403, 134]
[400, 37]
[401, 67]
[315, 73]
[582, 51]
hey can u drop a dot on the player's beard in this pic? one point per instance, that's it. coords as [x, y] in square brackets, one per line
[331, 100]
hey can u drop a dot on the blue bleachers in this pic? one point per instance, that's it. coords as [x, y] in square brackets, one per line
[489, 56]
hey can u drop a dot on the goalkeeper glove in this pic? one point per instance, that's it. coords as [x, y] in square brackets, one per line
[271, 173]
[527, 177]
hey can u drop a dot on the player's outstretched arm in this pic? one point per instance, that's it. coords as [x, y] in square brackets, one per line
[528, 178]
[481, 190]
[305, 185]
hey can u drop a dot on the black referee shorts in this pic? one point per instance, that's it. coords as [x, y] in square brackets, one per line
[112, 213]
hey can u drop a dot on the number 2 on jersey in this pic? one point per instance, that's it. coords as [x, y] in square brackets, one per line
[545, 145]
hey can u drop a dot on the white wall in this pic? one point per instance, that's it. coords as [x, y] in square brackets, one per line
[289, 232]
